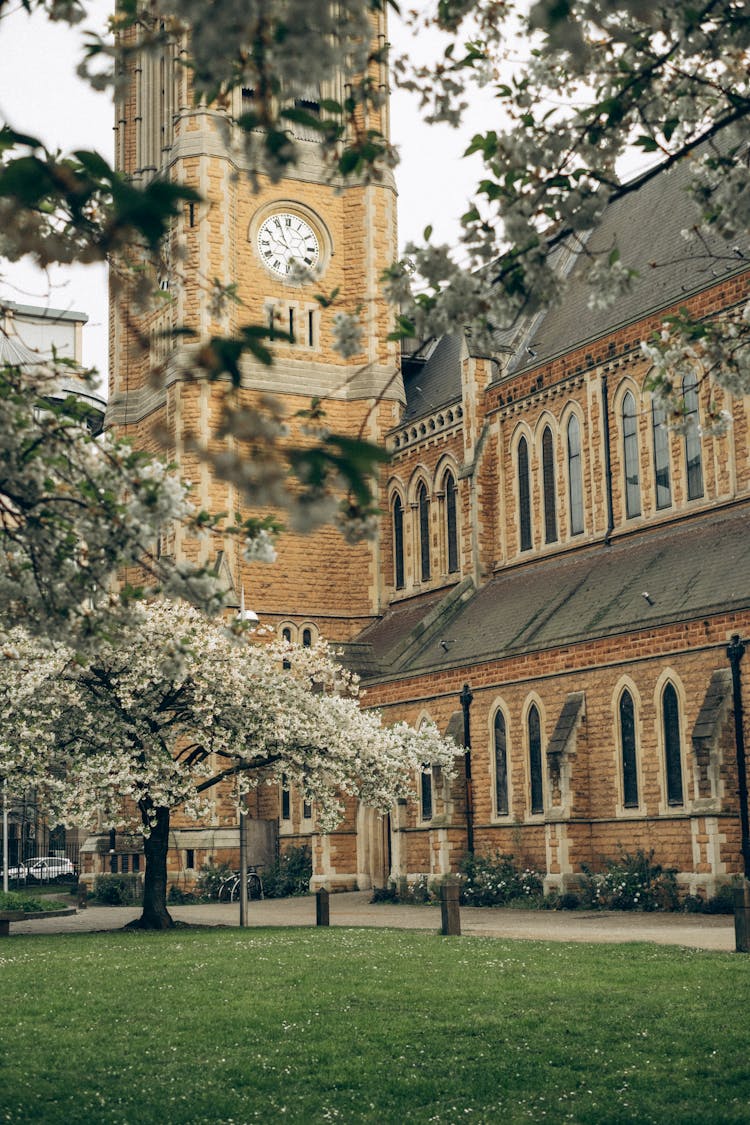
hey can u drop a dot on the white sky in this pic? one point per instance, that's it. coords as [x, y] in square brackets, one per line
[40, 95]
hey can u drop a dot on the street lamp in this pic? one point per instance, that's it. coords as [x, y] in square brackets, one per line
[735, 652]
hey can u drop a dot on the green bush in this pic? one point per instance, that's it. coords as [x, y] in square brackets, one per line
[210, 879]
[177, 897]
[117, 890]
[290, 874]
[496, 879]
[632, 882]
[14, 900]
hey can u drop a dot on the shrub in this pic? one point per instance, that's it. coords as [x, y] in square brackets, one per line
[211, 878]
[632, 882]
[178, 897]
[496, 879]
[722, 902]
[13, 900]
[117, 890]
[290, 874]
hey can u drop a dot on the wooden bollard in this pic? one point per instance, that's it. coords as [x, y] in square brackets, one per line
[83, 894]
[742, 917]
[449, 912]
[322, 915]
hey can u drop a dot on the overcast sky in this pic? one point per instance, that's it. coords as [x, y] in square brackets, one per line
[40, 95]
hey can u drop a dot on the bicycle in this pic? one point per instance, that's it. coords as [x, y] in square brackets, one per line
[229, 889]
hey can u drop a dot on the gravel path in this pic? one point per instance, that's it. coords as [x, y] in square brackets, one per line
[354, 909]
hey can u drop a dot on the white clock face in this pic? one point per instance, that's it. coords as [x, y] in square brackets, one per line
[284, 238]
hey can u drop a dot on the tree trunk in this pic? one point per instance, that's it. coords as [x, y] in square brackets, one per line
[155, 915]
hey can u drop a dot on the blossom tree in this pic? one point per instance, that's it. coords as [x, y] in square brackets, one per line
[177, 705]
[579, 84]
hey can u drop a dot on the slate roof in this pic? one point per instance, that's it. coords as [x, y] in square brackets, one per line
[689, 570]
[646, 227]
[435, 381]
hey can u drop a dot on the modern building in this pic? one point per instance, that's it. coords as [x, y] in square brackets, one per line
[545, 539]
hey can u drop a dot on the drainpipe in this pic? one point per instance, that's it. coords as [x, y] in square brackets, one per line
[607, 462]
[465, 699]
[735, 652]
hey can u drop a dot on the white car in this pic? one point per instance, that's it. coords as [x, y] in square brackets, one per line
[43, 869]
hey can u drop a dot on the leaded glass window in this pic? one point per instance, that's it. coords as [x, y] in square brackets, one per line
[398, 543]
[661, 456]
[627, 743]
[451, 523]
[575, 476]
[535, 761]
[693, 453]
[524, 495]
[501, 765]
[672, 747]
[423, 503]
[630, 453]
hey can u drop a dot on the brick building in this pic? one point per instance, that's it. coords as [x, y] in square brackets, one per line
[544, 538]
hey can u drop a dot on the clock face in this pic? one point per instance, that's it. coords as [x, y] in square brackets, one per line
[285, 238]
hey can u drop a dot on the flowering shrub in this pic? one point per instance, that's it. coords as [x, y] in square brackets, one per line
[290, 874]
[632, 882]
[494, 879]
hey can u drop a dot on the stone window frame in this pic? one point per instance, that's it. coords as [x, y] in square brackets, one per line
[533, 702]
[630, 445]
[447, 468]
[547, 459]
[570, 416]
[693, 445]
[661, 444]
[523, 496]
[669, 678]
[500, 708]
[626, 684]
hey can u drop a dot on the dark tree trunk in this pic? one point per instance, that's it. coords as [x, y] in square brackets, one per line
[155, 915]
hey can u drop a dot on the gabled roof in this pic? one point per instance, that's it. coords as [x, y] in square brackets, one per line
[646, 227]
[690, 569]
[434, 381]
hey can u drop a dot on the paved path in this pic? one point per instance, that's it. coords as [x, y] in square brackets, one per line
[355, 909]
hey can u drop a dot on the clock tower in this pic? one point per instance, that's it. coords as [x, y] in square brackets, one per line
[242, 239]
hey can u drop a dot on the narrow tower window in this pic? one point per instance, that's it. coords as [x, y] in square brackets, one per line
[548, 480]
[311, 328]
[535, 761]
[501, 766]
[524, 495]
[575, 476]
[451, 524]
[693, 455]
[398, 543]
[627, 743]
[425, 791]
[423, 504]
[661, 456]
[630, 453]
[672, 748]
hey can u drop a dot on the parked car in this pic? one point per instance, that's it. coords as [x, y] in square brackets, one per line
[44, 869]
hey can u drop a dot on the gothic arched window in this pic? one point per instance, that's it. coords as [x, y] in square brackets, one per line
[501, 765]
[693, 456]
[524, 495]
[425, 792]
[398, 543]
[548, 489]
[535, 761]
[661, 456]
[451, 525]
[286, 635]
[423, 504]
[307, 638]
[672, 747]
[628, 748]
[575, 476]
[630, 456]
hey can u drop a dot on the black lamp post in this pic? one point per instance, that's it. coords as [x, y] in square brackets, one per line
[465, 699]
[735, 652]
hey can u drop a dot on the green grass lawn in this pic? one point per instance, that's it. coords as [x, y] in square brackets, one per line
[310, 1025]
